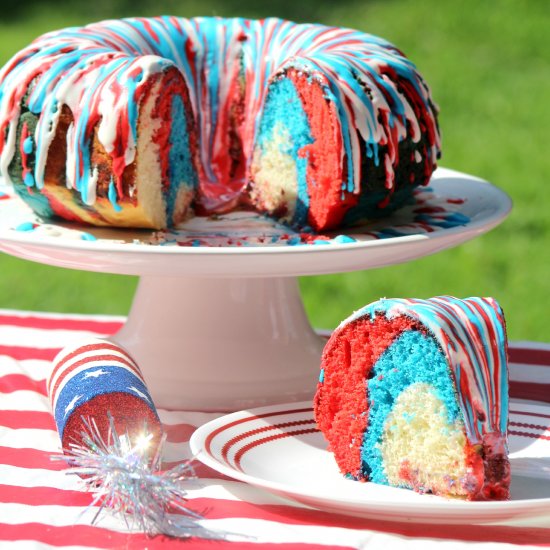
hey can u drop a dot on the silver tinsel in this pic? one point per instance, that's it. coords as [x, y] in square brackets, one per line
[126, 480]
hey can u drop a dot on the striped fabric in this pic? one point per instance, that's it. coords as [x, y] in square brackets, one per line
[41, 507]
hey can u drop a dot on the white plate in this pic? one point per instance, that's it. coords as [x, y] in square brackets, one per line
[279, 449]
[453, 209]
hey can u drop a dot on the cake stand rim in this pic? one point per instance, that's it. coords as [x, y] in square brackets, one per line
[83, 253]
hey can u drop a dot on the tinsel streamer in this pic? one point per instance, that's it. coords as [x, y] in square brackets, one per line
[127, 481]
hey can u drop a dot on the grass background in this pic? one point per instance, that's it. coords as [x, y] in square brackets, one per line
[488, 64]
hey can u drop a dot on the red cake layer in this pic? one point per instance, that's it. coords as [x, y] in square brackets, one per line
[326, 169]
[347, 361]
[172, 85]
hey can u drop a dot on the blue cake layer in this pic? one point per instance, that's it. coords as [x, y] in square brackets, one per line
[412, 358]
[181, 165]
[283, 109]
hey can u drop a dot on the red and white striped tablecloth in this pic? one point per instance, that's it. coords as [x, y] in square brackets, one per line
[42, 507]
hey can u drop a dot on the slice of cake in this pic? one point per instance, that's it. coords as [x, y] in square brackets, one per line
[414, 393]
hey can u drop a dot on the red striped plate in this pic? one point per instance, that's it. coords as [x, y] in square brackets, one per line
[279, 448]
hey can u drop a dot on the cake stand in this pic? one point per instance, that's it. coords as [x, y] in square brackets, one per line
[223, 328]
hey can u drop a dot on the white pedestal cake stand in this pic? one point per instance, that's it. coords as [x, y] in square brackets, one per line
[224, 328]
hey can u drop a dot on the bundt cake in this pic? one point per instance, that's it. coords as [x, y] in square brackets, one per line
[139, 122]
[414, 394]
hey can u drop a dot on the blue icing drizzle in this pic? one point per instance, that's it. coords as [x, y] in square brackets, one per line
[29, 179]
[450, 219]
[111, 194]
[283, 109]
[27, 145]
[343, 239]
[25, 226]
[88, 237]
[412, 358]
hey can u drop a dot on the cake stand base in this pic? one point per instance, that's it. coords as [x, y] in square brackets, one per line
[215, 344]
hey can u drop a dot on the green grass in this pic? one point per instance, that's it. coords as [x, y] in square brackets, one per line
[487, 64]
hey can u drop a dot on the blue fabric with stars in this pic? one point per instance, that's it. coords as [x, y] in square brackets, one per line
[90, 383]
